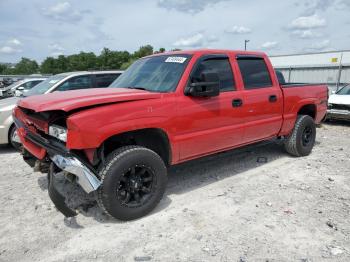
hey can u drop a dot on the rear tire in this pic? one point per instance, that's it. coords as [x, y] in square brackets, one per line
[133, 179]
[301, 141]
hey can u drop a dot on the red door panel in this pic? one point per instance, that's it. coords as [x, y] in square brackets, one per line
[207, 125]
[263, 113]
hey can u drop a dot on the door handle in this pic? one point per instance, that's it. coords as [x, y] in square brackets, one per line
[272, 98]
[237, 102]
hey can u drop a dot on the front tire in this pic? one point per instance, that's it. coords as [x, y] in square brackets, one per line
[14, 139]
[133, 179]
[301, 141]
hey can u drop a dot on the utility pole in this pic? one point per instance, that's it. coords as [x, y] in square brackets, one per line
[245, 44]
[339, 71]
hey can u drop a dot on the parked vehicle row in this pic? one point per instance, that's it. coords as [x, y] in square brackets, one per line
[165, 109]
[56, 83]
[6, 81]
[19, 87]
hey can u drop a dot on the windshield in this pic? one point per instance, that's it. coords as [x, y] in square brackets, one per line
[45, 85]
[157, 73]
[344, 91]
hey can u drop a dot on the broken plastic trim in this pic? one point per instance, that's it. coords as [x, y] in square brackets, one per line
[85, 177]
[56, 197]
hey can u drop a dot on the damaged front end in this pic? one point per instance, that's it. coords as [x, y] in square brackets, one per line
[45, 150]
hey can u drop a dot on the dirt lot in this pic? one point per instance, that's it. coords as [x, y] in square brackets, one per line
[228, 207]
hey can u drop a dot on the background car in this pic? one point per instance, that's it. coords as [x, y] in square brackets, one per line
[20, 86]
[26, 86]
[59, 82]
[339, 104]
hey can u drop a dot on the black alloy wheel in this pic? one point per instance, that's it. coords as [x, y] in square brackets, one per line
[133, 180]
[135, 186]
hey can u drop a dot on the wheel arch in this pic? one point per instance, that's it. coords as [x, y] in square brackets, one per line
[309, 109]
[155, 139]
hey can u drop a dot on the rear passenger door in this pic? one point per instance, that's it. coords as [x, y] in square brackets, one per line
[262, 99]
[104, 80]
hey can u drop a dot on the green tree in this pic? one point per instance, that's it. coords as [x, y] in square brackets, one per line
[112, 59]
[143, 51]
[107, 60]
[26, 66]
[47, 66]
[2, 68]
[82, 61]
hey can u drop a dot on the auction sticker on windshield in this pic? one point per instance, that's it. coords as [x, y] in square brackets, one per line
[175, 59]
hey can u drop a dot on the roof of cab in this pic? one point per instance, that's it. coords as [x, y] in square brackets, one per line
[212, 51]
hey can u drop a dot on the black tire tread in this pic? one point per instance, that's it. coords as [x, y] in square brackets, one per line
[110, 160]
[290, 143]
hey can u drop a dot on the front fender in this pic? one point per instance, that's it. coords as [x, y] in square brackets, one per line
[83, 139]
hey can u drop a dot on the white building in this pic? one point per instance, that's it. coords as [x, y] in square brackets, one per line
[332, 68]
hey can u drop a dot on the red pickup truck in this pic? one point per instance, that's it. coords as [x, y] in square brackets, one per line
[165, 109]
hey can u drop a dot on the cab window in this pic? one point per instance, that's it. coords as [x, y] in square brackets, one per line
[221, 66]
[254, 72]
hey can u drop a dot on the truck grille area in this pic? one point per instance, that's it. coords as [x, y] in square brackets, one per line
[31, 122]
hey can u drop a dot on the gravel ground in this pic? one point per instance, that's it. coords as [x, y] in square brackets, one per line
[252, 204]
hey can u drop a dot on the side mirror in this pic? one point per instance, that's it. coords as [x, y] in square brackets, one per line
[21, 88]
[208, 86]
[333, 92]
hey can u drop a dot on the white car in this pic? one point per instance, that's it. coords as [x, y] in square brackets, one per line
[339, 104]
[56, 83]
[20, 86]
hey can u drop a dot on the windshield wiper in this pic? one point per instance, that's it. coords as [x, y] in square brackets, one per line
[139, 88]
[136, 87]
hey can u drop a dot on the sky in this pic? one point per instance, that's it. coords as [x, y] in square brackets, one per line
[40, 28]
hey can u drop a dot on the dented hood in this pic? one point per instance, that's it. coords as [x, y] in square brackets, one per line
[71, 100]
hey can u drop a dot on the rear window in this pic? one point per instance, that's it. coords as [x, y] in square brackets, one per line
[254, 72]
[104, 80]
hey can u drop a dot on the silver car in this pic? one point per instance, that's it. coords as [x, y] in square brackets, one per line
[59, 82]
[19, 87]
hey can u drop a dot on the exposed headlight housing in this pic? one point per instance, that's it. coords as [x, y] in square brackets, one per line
[58, 132]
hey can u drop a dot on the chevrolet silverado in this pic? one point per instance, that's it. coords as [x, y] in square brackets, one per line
[165, 109]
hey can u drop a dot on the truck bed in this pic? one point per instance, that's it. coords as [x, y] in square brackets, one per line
[290, 85]
[296, 94]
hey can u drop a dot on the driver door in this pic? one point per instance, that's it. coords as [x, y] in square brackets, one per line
[210, 124]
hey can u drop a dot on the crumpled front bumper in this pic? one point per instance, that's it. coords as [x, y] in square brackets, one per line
[61, 156]
[85, 177]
